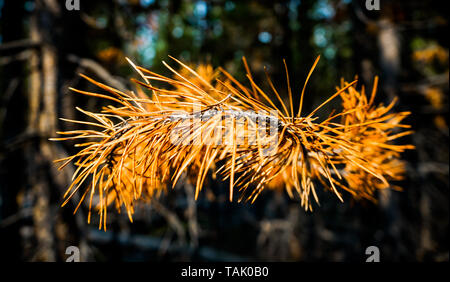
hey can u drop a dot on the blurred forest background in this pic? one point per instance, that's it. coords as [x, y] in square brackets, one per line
[43, 47]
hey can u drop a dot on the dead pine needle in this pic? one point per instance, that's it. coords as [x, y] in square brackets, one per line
[203, 119]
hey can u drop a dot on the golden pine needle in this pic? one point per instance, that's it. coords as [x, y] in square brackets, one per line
[144, 144]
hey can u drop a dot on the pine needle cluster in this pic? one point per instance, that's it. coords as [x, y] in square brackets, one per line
[203, 120]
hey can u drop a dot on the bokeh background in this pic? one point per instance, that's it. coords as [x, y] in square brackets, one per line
[43, 47]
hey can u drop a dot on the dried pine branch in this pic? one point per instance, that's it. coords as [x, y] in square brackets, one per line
[206, 120]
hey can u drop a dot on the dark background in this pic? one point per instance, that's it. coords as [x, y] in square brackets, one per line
[43, 47]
